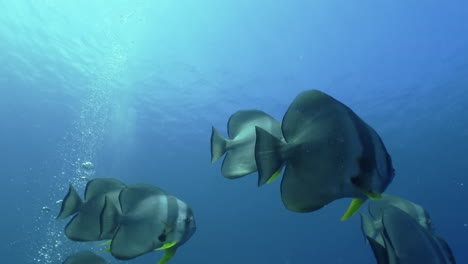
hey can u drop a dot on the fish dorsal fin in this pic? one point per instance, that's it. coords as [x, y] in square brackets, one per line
[101, 186]
[307, 107]
[248, 119]
[133, 195]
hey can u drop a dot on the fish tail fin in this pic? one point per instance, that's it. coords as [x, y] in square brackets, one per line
[109, 218]
[355, 205]
[71, 204]
[218, 145]
[168, 254]
[267, 156]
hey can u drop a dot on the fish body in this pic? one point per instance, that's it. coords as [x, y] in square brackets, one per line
[328, 153]
[240, 146]
[85, 224]
[149, 219]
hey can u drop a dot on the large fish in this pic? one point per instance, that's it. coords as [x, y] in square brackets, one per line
[149, 219]
[371, 227]
[85, 257]
[328, 153]
[85, 225]
[407, 242]
[239, 148]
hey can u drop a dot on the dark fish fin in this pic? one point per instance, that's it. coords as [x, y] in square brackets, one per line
[84, 226]
[237, 164]
[109, 219]
[100, 186]
[218, 145]
[446, 248]
[136, 234]
[246, 119]
[380, 252]
[267, 155]
[369, 227]
[134, 194]
[71, 204]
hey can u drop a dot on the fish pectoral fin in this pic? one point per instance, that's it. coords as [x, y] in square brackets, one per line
[105, 243]
[373, 195]
[355, 205]
[168, 254]
[167, 246]
[107, 250]
[274, 176]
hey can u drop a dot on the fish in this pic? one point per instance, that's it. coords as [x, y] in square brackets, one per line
[150, 219]
[407, 242]
[85, 257]
[371, 227]
[328, 153]
[240, 146]
[85, 224]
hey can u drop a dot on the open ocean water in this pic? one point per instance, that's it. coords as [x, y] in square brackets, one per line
[134, 86]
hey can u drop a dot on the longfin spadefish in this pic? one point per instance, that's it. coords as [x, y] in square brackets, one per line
[168, 254]
[355, 205]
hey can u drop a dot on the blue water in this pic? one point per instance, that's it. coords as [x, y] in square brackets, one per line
[135, 86]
